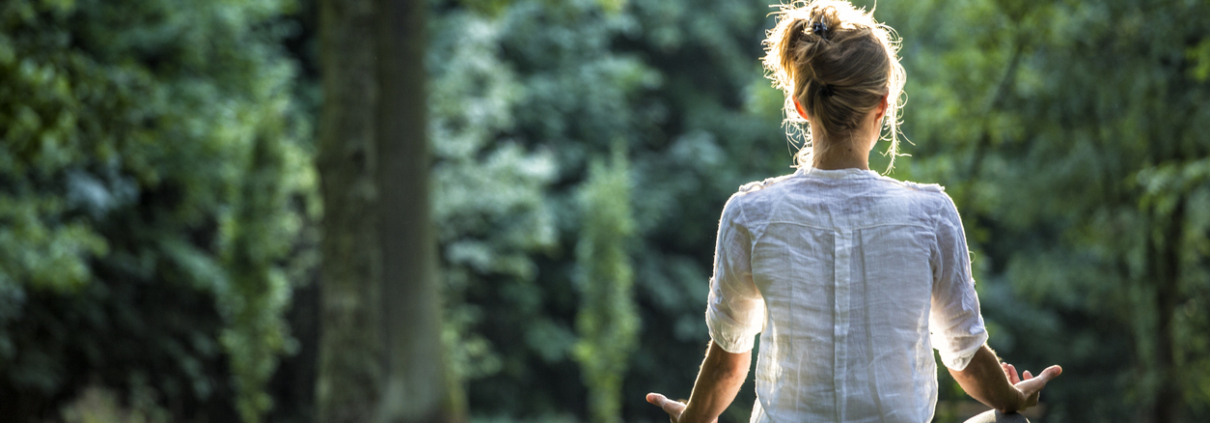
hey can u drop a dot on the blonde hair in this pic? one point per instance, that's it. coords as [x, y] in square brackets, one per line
[838, 62]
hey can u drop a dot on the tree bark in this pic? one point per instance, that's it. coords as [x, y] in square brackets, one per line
[349, 383]
[381, 355]
[418, 385]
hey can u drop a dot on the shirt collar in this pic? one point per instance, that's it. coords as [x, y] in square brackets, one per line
[847, 173]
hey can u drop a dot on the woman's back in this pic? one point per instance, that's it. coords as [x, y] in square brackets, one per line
[843, 269]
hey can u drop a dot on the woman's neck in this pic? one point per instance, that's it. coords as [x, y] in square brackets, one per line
[852, 151]
[843, 164]
[841, 155]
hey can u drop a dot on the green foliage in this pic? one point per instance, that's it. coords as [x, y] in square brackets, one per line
[489, 191]
[153, 170]
[607, 320]
[563, 82]
[558, 84]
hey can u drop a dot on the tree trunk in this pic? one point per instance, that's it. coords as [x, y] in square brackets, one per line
[349, 383]
[418, 385]
[381, 353]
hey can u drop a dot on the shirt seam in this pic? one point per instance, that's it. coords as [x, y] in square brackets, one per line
[752, 234]
[743, 218]
[936, 247]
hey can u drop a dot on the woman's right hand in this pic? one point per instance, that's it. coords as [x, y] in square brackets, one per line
[673, 408]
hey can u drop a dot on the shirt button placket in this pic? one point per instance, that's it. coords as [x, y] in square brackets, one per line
[841, 270]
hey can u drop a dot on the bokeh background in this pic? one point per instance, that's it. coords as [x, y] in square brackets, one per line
[160, 203]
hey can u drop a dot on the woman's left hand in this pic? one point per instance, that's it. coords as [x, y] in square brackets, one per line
[673, 408]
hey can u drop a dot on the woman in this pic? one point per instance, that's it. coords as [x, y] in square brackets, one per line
[851, 279]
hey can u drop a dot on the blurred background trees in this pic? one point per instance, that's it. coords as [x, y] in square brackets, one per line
[159, 200]
[607, 322]
[155, 194]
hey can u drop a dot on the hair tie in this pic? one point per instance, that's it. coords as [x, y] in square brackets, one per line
[826, 90]
[819, 28]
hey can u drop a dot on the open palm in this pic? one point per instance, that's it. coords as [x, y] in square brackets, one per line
[673, 408]
[1030, 385]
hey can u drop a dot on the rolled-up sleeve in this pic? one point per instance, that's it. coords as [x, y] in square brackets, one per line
[955, 324]
[735, 311]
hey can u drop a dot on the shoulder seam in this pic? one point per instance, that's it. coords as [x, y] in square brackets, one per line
[762, 184]
[915, 186]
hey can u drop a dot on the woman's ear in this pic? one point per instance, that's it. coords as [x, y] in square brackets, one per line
[801, 112]
[882, 106]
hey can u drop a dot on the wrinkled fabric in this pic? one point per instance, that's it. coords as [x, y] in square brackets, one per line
[851, 279]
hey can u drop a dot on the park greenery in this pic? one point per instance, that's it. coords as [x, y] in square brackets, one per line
[161, 204]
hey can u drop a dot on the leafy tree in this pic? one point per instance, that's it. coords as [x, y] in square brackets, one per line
[606, 321]
[153, 170]
[489, 192]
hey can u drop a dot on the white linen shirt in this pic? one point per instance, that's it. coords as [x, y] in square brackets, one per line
[851, 279]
